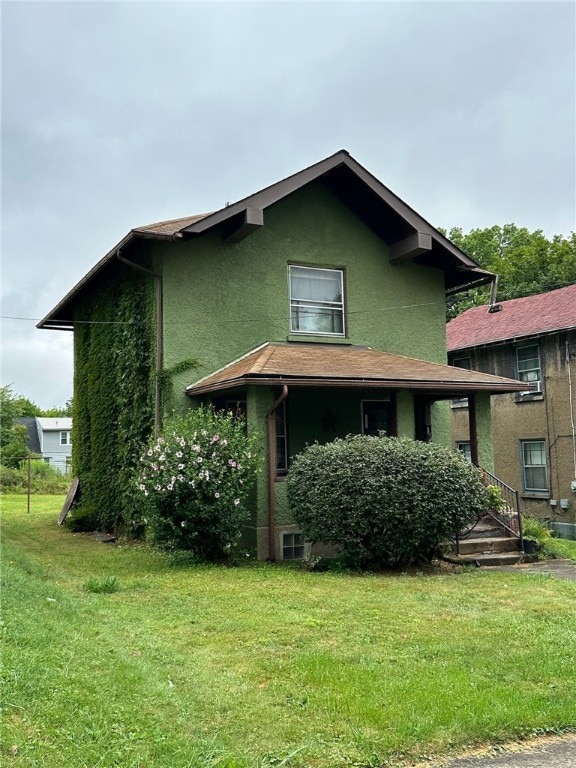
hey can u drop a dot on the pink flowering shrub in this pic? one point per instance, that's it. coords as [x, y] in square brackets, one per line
[195, 481]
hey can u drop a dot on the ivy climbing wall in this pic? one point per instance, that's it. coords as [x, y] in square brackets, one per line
[114, 381]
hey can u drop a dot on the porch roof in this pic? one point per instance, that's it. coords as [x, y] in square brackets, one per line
[331, 365]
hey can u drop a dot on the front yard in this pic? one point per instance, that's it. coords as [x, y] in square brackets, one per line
[195, 667]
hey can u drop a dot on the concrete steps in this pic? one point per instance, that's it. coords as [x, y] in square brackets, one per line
[487, 544]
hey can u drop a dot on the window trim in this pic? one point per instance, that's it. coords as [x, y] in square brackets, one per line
[300, 546]
[67, 437]
[341, 305]
[460, 444]
[526, 489]
[520, 373]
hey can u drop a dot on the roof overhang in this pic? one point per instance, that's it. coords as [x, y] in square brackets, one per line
[348, 367]
[409, 235]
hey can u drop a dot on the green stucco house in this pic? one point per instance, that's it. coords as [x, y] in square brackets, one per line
[316, 307]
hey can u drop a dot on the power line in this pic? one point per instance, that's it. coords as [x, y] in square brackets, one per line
[284, 318]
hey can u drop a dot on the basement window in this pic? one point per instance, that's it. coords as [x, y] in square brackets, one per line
[292, 546]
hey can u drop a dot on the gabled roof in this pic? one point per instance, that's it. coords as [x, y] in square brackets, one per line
[326, 365]
[51, 423]
[409, 236]
[518, 318]
[33, 441]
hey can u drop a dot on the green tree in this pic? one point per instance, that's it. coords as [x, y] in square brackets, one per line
[526, 262]
[13, 437]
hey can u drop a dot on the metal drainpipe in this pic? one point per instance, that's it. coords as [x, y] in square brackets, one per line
[272, 469]
[159, 334]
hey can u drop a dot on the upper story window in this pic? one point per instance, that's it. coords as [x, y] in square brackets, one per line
[528, 364]
[462, 362]
[317, 301]
[65, 438]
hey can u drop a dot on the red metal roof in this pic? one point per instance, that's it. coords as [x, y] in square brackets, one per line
[529, 316]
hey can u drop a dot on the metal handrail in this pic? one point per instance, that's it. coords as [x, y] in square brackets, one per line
[512, 505]
[512, 502]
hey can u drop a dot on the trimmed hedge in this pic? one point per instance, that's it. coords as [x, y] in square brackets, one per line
[384, 502]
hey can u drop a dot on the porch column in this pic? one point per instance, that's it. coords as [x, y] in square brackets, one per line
[473, 428]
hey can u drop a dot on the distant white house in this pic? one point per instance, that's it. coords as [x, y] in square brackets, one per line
[51, 438]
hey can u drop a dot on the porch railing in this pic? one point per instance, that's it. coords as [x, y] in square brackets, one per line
[508, 518]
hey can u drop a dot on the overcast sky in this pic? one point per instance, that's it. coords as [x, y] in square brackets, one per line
[120, 114]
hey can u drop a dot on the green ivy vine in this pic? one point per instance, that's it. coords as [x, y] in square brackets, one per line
[114, 381]
[165, 380]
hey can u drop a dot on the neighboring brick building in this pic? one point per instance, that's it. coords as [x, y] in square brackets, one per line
[532, 339]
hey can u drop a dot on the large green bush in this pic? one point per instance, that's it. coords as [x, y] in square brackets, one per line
[384, 502]
[195, 481]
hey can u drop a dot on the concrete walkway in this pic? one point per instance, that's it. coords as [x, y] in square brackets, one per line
[560, 569]
[545, 753]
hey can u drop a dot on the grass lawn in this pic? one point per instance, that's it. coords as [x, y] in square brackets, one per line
[214, 667]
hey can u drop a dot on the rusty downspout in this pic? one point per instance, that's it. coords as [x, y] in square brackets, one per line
[159, 334]
[272, 469]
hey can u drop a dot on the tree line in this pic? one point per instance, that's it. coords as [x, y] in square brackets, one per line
[526, 262]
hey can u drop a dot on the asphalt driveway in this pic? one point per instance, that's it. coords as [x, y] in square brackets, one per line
[545, 753]
[560, 569]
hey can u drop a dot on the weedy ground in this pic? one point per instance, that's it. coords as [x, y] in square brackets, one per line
[167, 664]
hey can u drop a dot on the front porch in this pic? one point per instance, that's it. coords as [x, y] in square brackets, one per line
[295, 394]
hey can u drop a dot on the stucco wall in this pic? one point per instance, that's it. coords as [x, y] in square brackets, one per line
[223, 299]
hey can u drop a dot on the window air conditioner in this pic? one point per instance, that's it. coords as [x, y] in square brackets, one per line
[536, 391]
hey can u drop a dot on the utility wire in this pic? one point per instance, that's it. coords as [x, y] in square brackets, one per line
[240, 320]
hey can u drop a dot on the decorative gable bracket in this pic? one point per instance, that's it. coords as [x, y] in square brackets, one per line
[415, 245]
[253, 218]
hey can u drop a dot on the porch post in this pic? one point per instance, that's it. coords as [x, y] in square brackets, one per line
[271, 419]
[473, 428]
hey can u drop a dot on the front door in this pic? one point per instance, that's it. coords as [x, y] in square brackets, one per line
[378, 417]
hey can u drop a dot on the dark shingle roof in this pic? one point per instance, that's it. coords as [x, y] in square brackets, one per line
[347, 366]
[518, 318]
[33, 441]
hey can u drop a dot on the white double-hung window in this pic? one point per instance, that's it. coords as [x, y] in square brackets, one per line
[534, 469]
[317, 301]
[528, 364]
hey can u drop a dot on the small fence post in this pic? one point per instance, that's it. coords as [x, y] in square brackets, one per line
[29, 482]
